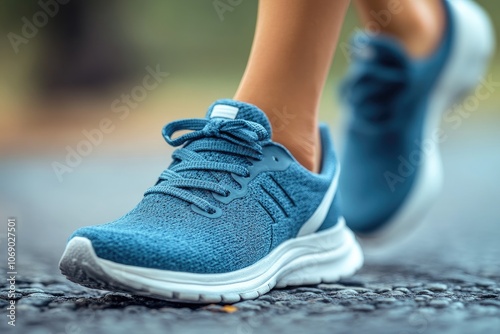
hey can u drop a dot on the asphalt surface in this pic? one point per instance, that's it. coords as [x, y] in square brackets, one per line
[443, 278]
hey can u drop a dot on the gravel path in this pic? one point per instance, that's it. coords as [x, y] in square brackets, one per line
[385, 299]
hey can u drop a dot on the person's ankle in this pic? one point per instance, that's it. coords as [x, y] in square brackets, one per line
[304, 145]
[295, 127]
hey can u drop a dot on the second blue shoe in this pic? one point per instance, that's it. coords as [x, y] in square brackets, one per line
[391, 165]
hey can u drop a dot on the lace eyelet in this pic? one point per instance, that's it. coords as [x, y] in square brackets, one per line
[216, 212]
[275, 158]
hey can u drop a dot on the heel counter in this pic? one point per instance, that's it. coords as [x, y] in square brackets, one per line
[333, 215]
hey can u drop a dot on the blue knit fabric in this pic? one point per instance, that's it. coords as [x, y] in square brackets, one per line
[174, 226]
[387, 95]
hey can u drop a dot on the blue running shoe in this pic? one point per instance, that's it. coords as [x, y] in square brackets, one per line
[232, 217]
[391, 165]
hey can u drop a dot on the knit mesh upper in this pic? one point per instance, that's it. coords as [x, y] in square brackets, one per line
[164, 232]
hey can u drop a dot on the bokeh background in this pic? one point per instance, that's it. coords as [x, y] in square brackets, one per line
[63, 80]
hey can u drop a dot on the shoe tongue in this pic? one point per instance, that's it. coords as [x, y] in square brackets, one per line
[231, 109]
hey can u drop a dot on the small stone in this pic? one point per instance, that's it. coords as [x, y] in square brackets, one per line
[307, 289]
[65, 305]
[436, 287]
[347, 292]
[403, 290]
[363, 307]
[383, 290]
[425, 292]
[397, 293]
[421, 298]
[427, 310]
[439, 303]
[457, 305]
[25, 308]
[370, 295]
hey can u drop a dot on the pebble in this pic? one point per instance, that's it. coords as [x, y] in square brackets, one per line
[383, 290]
[27, 308]
[10, 296]
[331, 287]
[306, 295]
[347, 292]
[38, 299]
[403, 290]
[436, 287]
[438, 303]
[361, 290]
[425, 292]
[370, 295]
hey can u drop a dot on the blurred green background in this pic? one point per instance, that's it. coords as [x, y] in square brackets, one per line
[204, 53]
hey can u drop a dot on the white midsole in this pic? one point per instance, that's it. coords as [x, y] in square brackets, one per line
[326, 249]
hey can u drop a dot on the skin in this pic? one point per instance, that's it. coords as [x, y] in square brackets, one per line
[292, 51]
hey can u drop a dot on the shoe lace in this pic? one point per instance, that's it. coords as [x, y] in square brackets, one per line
[233, 137]
[374, 89]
